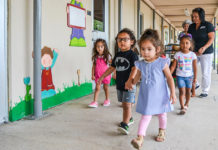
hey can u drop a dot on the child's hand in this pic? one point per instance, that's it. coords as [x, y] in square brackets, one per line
[173, 98]
[128, 85]
[114, 76]
[194, 81]
[93, 77]
[99, 81]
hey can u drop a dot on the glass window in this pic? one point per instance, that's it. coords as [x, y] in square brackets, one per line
[99, 15]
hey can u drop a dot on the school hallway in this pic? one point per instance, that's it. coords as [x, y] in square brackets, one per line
[74, 126]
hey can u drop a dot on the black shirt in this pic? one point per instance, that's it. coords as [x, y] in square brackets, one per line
[123, 62]
[200, 36]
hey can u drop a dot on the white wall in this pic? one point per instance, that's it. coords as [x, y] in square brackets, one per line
[113, 23]
[158, 24]
[55, 34]
[129, 15]
[148, 15]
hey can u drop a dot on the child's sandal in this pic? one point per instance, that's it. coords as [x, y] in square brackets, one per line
[137, 143]
[161, 135]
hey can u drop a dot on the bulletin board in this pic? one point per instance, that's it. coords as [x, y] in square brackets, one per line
[76, 17]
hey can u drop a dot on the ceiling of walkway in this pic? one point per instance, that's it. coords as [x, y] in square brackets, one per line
[177, 10]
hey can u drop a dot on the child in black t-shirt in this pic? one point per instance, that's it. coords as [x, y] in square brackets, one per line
[123, 63]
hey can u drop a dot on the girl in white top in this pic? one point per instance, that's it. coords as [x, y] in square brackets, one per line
[186, 72]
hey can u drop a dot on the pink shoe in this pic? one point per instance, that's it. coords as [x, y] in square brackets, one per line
[107, 102]
[93, 104]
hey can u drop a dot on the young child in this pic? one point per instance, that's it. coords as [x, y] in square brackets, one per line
[186, 62]
[123, 63]
[101, 59]
[154, 97]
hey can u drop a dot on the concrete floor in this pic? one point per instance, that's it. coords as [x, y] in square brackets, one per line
[73, 126]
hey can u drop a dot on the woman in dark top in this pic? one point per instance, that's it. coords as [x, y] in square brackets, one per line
[203, 35]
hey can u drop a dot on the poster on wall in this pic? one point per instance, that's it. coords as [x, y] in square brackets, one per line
[76, 19]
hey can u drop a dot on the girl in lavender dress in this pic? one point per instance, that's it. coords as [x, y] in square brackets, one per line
[157, 89]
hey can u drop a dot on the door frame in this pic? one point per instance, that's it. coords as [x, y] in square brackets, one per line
[3, 63]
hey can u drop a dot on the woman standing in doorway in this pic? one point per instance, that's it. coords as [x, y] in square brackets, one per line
[203, 36]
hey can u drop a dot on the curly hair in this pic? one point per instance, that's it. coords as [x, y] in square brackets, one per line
[153, 37]
[131, 35]
[106, 52]
[186, 22]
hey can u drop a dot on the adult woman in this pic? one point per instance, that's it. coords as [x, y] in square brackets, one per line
[185, 26]
[203, 35]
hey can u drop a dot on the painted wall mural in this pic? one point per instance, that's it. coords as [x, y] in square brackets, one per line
[28, 96]
[48, 59]
[25, 108]
[77, 21]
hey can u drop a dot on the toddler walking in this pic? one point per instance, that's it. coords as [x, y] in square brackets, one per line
[123, 63]
[186, 62]
[101, 59]
[154, 96]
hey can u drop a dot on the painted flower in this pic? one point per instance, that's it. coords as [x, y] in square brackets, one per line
[26, 80]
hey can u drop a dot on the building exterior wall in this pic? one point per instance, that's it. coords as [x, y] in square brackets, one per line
[158, 24]
[129, 15]
[56, 34]
[113, 23]
[148, 15]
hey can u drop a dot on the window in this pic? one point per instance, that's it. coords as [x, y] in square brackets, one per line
[99, 15]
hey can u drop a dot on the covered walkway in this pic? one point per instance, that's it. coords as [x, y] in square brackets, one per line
[73, 126]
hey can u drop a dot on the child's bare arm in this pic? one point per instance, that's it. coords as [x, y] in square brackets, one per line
[128, 84]
[173, 66]
[195, 70]
[170, 83]
[137, 77]
[106, 73]
[93, 71]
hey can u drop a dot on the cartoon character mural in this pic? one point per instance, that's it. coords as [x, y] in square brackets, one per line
[77, 36]
[48, 59]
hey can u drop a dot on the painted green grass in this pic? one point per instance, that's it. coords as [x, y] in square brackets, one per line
[25, 108]
[113, 82]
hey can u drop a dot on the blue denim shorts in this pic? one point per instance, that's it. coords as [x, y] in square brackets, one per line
[126, 96]
[184, 82]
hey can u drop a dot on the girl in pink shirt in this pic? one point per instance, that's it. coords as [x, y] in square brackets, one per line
[101, 59]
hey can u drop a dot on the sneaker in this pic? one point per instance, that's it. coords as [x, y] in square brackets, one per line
[124, 128]
[107, 102]
[93, 104]
[131, 121]
[197, 86]
[202, 95]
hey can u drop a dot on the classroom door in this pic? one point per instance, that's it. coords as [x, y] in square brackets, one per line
[3, 62]
[100, 19]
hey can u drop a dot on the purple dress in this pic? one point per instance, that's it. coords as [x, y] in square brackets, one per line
[154, 95]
